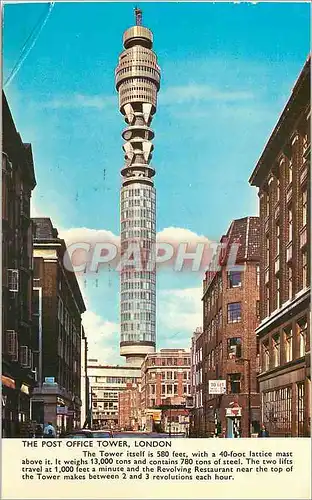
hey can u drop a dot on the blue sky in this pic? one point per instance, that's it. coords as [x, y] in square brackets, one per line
[227, 72]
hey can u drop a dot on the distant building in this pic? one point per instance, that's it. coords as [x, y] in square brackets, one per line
[197, 415]
[282, 175]
[228, 348]
[129, 414]
[18, 374]
[105, 384]
[57, 309]
[165, 377]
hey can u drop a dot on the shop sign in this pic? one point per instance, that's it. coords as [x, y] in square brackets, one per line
[217, 386]
[8, 382]
[25, 389]
[235, 411]
[61, 410]
[49, 380]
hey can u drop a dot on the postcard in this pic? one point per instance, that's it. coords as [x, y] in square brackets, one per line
[156, 250]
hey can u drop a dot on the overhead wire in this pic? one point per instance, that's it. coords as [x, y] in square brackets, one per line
[25, 51]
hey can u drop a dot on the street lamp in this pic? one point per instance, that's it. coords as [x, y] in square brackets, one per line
[241, 361]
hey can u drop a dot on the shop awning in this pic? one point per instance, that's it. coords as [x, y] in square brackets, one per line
[8, 382]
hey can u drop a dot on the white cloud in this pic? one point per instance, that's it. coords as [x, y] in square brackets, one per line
[193, 92]
[103, 338]
[92, 236]
[86, 235]
[180, 312]
[180, 235]
[78, 101]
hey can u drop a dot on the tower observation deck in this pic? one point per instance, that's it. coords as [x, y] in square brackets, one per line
[137, 83]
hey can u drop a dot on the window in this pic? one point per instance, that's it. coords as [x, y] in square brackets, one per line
[289, 224]
[302, 329]
[289, 173]
[13, 280]
[234, 383]
[267, 260]
[300, 398]
[258, 275]
[169, 389]
[234, 348]
[267, 290]
[267, 213]
[153, 389]
[175, 389]
[277, 411]
[277, 189]
[277, 239]
[265, 356]
[289, 282]
[163, 389]
[304, 269]
[288, 345]
[278, 293]
[234, 279]
[276, 350]
[234, 312]
[169, 375]
[258, 308]
[304, 200]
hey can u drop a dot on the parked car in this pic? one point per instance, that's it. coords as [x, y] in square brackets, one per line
[88, 434]
[145, 435]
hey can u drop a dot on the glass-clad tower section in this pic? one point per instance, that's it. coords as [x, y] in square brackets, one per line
[137, 82]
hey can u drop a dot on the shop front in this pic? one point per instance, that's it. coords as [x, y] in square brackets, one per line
[16, 410]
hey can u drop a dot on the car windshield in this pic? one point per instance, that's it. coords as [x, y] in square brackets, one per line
[82, 435]
[102, 434]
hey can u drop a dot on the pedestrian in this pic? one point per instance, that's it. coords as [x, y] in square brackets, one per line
[263, 433]
[49, 430]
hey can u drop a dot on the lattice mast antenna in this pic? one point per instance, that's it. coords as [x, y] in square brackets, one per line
[138, 16]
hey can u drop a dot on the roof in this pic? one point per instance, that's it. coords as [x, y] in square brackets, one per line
[43, 229]
[245, 233]
[299, 100]
[45, 232]
[19, 153]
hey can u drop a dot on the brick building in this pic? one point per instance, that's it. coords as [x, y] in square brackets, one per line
[282, 175]
[227, 350]
[129, 408]
[57, 309]
[18, 181]
[165, 377]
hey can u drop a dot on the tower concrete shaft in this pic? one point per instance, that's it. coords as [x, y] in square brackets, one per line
[137, 82]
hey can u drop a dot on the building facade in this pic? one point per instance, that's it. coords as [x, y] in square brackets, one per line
[165, 381]
[105, 384]
[57, 309]
[85, 402]
[197, 415]
[18, 374]
[282, 176]
[129, 408]
[228, 350]
[137, 83]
